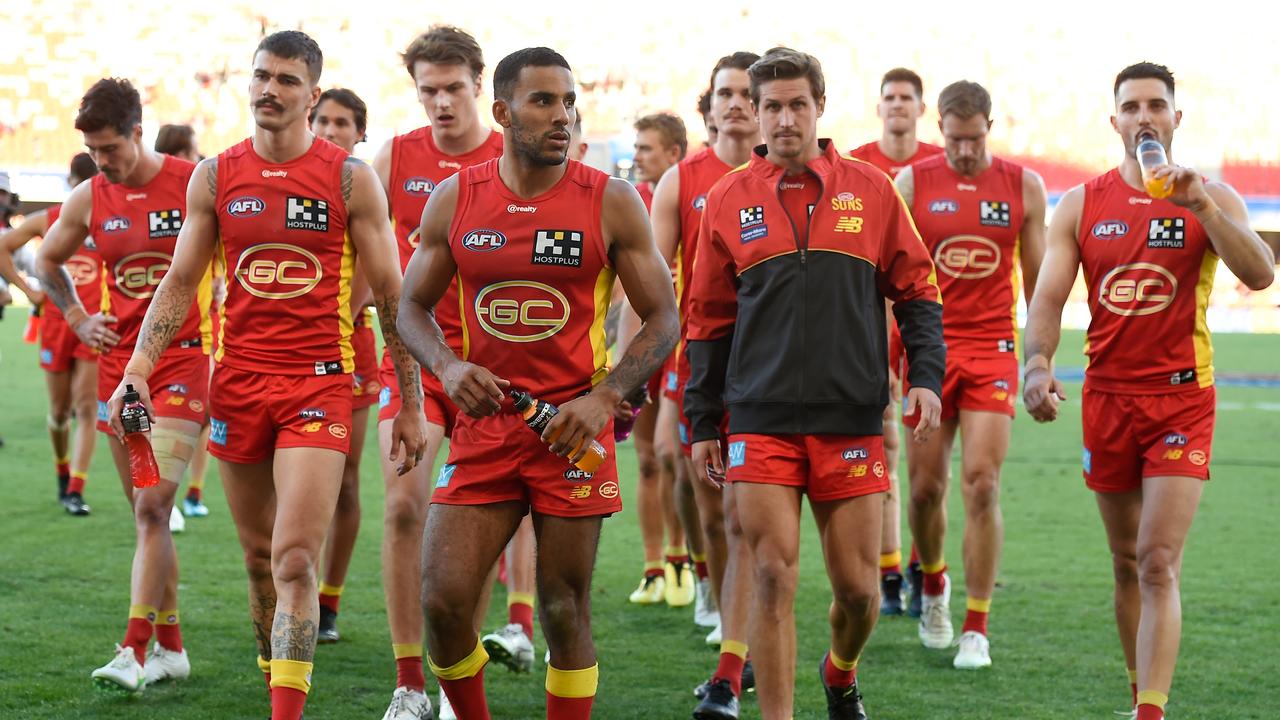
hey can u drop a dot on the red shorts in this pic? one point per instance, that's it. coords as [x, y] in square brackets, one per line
[827, 467]
[982, 384]
[499, 458]
[1131, 437]
[366, 383]
[59, 345]
[253, 414]
[897, 350]
[179, 384]
[436, 405]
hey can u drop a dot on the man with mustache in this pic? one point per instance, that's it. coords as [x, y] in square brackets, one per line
[982, 219]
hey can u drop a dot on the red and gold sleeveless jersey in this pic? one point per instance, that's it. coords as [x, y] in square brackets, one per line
[646, 194]
[1149, 268]
[971, 227]
[135, 230]
[417, 167]
[698, 173]
[283, 239]
[534, 280]
[871, 153]
[86, 271]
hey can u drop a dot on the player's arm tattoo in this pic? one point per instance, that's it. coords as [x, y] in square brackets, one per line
[211, 176]
[59, 286]
[165, 316]
[644, 356]
[293, 638]
[406, 367]
[348, 177]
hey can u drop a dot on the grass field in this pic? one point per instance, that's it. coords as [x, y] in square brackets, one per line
[64, 594]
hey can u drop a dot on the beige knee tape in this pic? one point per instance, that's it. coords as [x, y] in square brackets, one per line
[56, 426]
[173, 449]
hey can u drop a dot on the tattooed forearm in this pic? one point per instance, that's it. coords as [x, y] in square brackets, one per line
[645, 355]
[348, 178]
[293, 638]
[211, 177]
[406, 367]
[59, 286]
[168, 309]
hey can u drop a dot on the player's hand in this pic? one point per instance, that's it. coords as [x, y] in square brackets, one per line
[116, 403]
[1041, 394]
[929, 405]
[708, 463]
[95, 331]
[579, 421]
[408, 430]
[1187, 186]
[475, 390]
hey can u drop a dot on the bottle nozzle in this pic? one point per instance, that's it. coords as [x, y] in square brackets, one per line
[522, 400]
[131, 395]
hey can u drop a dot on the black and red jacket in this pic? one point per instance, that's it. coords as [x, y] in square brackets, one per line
[787, 329]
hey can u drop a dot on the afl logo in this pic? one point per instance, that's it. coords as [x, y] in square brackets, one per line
[1137, 289]
[138, 275]
[419, 186]
[277, 271]
[700, 202]
[1110, 230]
[967, 257]
[245, 206]
[944, 207]
[116, 224]
[484, 240]
[521, 310]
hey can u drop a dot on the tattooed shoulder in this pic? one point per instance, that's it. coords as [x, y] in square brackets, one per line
[348, 176]
[211, 175]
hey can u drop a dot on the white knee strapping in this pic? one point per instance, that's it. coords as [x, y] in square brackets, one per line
[173, 449]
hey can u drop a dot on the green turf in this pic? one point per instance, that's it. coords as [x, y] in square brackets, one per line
[64, 595]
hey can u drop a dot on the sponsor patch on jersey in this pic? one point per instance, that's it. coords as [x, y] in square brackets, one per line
[1175, 439]
[1110, 229]
[751, 217]
[217, 431]
[117, 223]
[993, 213]
[484, 240]
[419, 186]
[700, 202]
[446, 474]
[737, 453]
[178, 388]
[754, 233]
[852, 454]
[944, 206]
[328, 367]
[1006, 345]
[1182, 377]
[164, 223]
[245, 206]
[576, 474]
[306, 214]
[1167, 233]
[557, 247]
[312, 413]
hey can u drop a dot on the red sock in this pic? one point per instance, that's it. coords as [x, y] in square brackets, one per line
[287, 703]
[76, 483]
[835, 677]
[466, 695]
[1150, 712]
[934, 583]
[63, 468]
[678, 559]
[559, 708]
[136, 636]
[895, 568]
[975, 621]
[700, 569]
[409, 673]
[267, 676]
[169, 637]
[654, 572]
[330, 601]
[193, 494]
[730, 668]
[1133, 689]
[915, 556]
[521, 614]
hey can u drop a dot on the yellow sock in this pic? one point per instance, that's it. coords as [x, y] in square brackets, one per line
[468, 666]
[146, 612]
[291, 674]
[1133, 675]
[404, 650]
[519, 598]
[573, 683]
[932, 568]
[977, 605]
[1152, 697]
[733, 647]
[652, 565]
[841, 664]
[334, 590]
[698, 557]
[264, 665]
[888, 560]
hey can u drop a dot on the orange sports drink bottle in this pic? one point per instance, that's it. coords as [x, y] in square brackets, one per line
[1151, 155]
[537, 413]
[142, 461]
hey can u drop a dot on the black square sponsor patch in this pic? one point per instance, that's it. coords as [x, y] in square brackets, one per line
[557, 247]
[1167, 233]
[164, 223]
[750, 217]
[306, 214]
[994, 213]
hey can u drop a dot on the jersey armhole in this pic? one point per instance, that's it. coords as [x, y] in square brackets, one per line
[597, 212]
[461, 204]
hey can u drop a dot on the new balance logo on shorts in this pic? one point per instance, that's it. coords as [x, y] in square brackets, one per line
[217, 431]
[446, 474]
[306, 214]
[1167, 233]
[737, 453]
[557, 247]
[994, 213]
[164, 223]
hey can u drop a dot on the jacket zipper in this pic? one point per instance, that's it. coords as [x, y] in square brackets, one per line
[804, 276]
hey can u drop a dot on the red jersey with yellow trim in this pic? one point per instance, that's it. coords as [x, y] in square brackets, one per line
[872, 153]
[135, 230]
[1149, 268]
[646, 194]
[417, 167]
[86, 271]
[283, 238]
[698, 173]
[534, 280]
[972, 229]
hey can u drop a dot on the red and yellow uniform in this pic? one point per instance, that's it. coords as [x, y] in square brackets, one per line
[365, 382]
[59, 344]
[1149, 397]
[135, 230]
[535, 283]
[417, 167]
[285, 357]
[871, 153]
[971, 227]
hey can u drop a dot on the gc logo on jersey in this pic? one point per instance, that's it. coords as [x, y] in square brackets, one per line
[521, 310]
[484, 240]
[1137, 289]
[278, 271]
[1167, 233]
[967, 257]
[245, 206]
[138, 275]
[994, 213]
[84, 271]
[557, 247]
[117, 223]
[164, 223]
[419, 186]
[306, 214]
